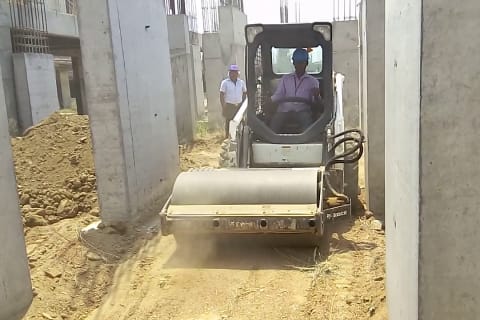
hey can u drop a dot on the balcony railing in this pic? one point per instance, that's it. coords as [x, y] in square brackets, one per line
[29, 30]
[186, 7]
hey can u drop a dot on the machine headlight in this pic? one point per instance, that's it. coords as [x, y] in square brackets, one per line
[252, 32]
[325, 30]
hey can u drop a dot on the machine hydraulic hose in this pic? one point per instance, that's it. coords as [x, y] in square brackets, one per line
[352, 140]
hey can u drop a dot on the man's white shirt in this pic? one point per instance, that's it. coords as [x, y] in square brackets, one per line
[233, 91]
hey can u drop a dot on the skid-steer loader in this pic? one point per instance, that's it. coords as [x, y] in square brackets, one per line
[293, 184]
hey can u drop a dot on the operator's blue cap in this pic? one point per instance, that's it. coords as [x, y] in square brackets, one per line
[300, 55]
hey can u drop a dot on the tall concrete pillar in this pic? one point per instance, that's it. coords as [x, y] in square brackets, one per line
[222, 49]
[79, 85]
[198, 80]
[215, 72]
[432, 178]
[6, 63]
[36, 88]
[15, 285]
[129, 92]
[373, 101]
[182, 77]
[345, 61]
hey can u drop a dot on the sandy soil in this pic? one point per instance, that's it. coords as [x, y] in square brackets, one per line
[138, 274]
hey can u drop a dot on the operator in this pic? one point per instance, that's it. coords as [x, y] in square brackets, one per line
[297, 84]
[233, 92]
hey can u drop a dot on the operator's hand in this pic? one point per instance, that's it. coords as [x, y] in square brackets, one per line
[268, 104]
[316, 93]
[223, 110]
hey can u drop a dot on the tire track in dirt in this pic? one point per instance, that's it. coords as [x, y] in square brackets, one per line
[236, 283]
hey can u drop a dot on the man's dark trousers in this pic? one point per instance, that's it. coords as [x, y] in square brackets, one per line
[229, 113]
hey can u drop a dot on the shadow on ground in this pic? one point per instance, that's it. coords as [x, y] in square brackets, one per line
[259, 253]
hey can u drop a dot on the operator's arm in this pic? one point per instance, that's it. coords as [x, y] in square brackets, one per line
[280, 93]
[222, 96]
[316, 89]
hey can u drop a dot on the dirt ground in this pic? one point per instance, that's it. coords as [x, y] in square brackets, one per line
[138, 274]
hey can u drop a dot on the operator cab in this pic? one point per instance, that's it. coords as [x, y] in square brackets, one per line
[269, 57]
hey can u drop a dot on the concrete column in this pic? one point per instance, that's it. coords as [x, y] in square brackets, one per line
[215, 72]
[183, 77]
[373, 102]
[197, 79]
[222, 49]
[35, 87]
[128, 81]
[78, 84]
[15, 285]
[433, 183]
[345, 61]
[63, 87]
[6, 63]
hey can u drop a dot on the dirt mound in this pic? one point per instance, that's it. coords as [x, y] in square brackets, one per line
[55, 170]
[204, 152]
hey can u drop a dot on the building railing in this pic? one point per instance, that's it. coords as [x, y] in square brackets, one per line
[346, 10]
[29, 30]
[211, 22]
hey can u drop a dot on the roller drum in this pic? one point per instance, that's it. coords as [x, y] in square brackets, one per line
[246, 186]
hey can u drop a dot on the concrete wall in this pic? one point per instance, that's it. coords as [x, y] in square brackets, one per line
[346, 61]
[373, 101]
[36, 88]
[62, 24]
[449, 178]
[15, 285]
[402, 115]
[183, 78]
[431, 137]
[6, 64]
[129, 92]
[58, 21]
[178, 35]
[222, 49]
[56, 5]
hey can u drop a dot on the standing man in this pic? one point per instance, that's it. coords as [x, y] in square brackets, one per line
[233, 92]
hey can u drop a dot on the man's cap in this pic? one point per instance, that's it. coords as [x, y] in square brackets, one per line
[233, 67]
[300, 55]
